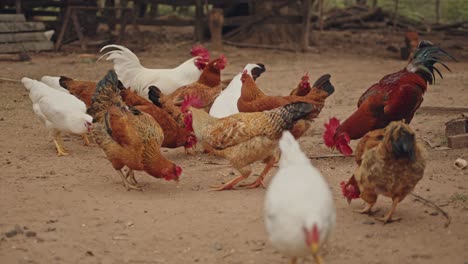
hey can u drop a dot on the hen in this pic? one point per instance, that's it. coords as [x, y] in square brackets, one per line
[390, 163]
[134, 75]
[226, 103]
[83, 90]
[128, 136]
[59, 111]
[397, 96]
[206, 88]
[299, 209]
[244, 138]
[252, 99]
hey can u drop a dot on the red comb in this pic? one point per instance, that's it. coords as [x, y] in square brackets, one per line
[199, 50]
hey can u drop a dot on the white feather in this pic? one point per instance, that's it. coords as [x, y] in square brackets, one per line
[298, 197]
[226, 103]
[53, 82]
[60, 112]
[132, 74]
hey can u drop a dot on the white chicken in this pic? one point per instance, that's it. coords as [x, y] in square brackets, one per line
[226, 103]
[299, 209]
[53, 82]
[59, 111]
[132, 74]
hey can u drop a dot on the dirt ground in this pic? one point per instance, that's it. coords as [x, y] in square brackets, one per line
[74, 209]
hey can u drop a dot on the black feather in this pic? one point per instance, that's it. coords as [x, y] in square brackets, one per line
[324, 83]
[63, 81]
[154, 94]
[426, 56]
[257, 71]
[404, 145]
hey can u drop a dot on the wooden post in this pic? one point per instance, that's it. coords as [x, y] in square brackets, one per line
[437, 11]
[374, 3]
[395, 13]
[198, 20]
[321, 15]
[18, 6]
[305, 24]
[65, 20]
[76, 24]
[216, 21]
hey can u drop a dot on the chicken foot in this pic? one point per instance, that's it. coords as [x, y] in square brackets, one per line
[86, 140]
[388, 217]
[293, 260]
[131, 176]
[59, 145]
[259, 182]
[367, 209]
[230, 184]
[125, 182]
[318, 259]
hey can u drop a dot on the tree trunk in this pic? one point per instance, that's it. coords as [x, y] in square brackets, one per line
[395, 13]
[437, 11]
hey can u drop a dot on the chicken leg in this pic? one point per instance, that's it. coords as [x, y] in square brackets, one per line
[59, 145]
[259, 182]
[86, 140]
[245, 172]
[126, 184]
[367, 209]
[317, 259]
[388, 217]
[293, 260]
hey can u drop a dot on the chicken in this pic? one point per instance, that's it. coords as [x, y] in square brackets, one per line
[244, 138]
[299, 209]
[206, 88]
[59, 111]
[128, 136]
[390, 162]
[395, 97]
[226, 103]
[134, 75]
[252, 99]
[175, 134]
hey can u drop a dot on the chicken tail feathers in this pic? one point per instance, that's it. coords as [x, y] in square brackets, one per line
[424, 59]
[107, 94]
[154, 95]
[291, 113]
[64, 82]
[324, 83]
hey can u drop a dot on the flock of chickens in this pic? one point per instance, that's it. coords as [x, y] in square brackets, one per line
[134, 111]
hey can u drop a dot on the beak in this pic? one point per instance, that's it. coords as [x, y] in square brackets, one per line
[349, 200]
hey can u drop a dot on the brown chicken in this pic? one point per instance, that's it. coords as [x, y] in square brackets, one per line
[207, 88]
[390, 163]
[252, 99]
[175, 134]
[128, 136]
[244, 138]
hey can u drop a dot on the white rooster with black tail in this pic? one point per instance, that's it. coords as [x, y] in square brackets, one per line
[299, 209]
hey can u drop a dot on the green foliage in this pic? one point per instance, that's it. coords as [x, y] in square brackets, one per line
[418, 10]
[459, 197]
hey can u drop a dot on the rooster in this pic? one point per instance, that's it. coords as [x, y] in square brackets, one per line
[299, 209]
[128, 136]
[59, 111]
[226, 103]
[134, 75]
[390, 163]
[252, 99]
[244, 138]
[206, 88]
[395, 97]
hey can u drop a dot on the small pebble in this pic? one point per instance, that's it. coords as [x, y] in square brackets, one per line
[217, 246]
[89, 253]
[434, 213]
[369, 222]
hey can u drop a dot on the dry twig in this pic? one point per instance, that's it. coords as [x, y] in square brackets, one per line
[445, 214]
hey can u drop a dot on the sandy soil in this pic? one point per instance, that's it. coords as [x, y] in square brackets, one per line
[74, 209]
